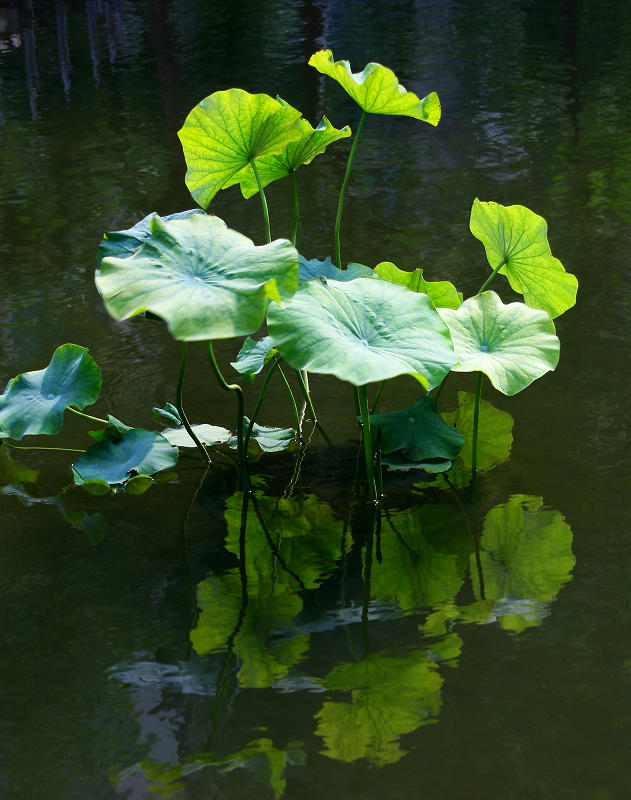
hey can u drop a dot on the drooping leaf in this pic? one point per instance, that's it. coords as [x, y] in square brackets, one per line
[443, 294]
[512, 344]
[138, 451]
[270, 440]
[207, 434]
[169, 415]
[312, 142]
[34, 402]
[253, 356]
[418, 434]
[518, 238]
[377, 90]
[114, 430]
[362, 331]
[228, 130]
[495, 431]
[205, 280]
[307, 270]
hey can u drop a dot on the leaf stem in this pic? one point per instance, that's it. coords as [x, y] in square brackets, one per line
[59, 449]
[368, 454]
[275, 362]
[87, 416]
[268, 232]
[476, 421]
[294, 189]
[377, 397]
[491, 276]
[303, 379]
[292, 400]
[180, 407]
[441, 386]
[340, 202]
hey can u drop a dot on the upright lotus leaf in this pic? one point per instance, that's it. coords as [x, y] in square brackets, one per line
[114, 430]
[253, 356]
[443, 294]
[495, 431]
[307, 270]
[138, 451]
[518, 238]
[512, 344]
[526, 559]
[312, 142]
[169, 415]
[362, 331]
[377, 90]
[390, 696]
[34, 402]
[418, 433]
[207, 434]
[227, 131]
[124, 243]
[204, 279]
[270, 440]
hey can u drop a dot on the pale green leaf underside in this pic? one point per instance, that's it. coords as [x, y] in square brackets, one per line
[226, 131]
[207, 434]
[517, 236]
[205, 280]
[443, 294]
[270, 440]
[308, 270]
[512, 344]
[362, 331]
[377, 90]
[253, 356]
[34, 402]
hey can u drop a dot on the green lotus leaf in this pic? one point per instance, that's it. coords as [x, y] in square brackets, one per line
[124, 243]
[526, 559]
[512, 344]
[518, 238]
[495, 431]
[205, 280]
[114, 430]
[377, 90]
[253, 356]
[34, 402]
[12, 471]
[228, 130]
[270, 440]
[96, 487]
[139, 484]
[307, 270]
[138, 451]
[207, 434]
[312, 142]
[443, 294]
[169, 415]
[418, 434]
[362, 331]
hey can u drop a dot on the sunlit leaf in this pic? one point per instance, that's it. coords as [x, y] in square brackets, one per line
[443, 294]
[253, 356]
[377, 90]
[270, 440]
[34, 402]
[362, 331]
[138, 484]
[512, 344]
[518, 238]
[307, 270]
[495, 431]
[205, 280]
[207, 434]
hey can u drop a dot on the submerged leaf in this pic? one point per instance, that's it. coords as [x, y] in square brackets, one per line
[34, 402]
[495, 431]
[377, 90]
[253, 356]
[517, 237]
[307, 270]
[443, 294]
[204, 279]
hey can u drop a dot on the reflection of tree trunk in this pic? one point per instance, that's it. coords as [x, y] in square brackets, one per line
[91, 12]
[61, 12]
[28, 37]
[313, 39]
[570, 52]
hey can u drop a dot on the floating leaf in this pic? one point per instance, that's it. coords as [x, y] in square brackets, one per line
[362, 331]
[138, 451]
[443, 294]
[169, 415]
[207, 434]
[495, 431]
[307, 270]
[512, 344]
[418, 434]
[253, 356]
[517, 237]
[96, 486]
[228, 130]
[34, 402]
[205, 280]
[377, 90]
[139, 484]
[270, 440]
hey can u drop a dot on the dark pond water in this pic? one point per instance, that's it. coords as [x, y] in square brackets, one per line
[361, 665]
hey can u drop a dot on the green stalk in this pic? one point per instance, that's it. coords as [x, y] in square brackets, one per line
[58, 449]
[259, 400]
[268, 231]
[441, 387]
[292, 400]
[303, 380]
[370, 467]
[340, 202]
[180, 407]
[377, 397]
[491, 276]
[87, 416]
[294, 189]
[476, 420]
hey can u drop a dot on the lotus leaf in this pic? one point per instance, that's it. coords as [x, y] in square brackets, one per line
[253, 356]
[443, 294]
[518, 238]
[495, 431]
[377, 90]
[113, 431]
[138, 451]
[362, 331]
[12, 471]
[512, 344]
[139, 484]
[228, 130]
[207, 434]
[326, 269]
[34, 402]
[205, 280]
[169, 415]
[270, 440]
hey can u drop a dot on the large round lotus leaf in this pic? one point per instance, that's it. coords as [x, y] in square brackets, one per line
[138, 451]
[204, 279]
[312, 142]
[377, 90]
[443, 294]
[517, 237]
[362, 331]
[227, 131]
[34, 402]
[512, 344]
